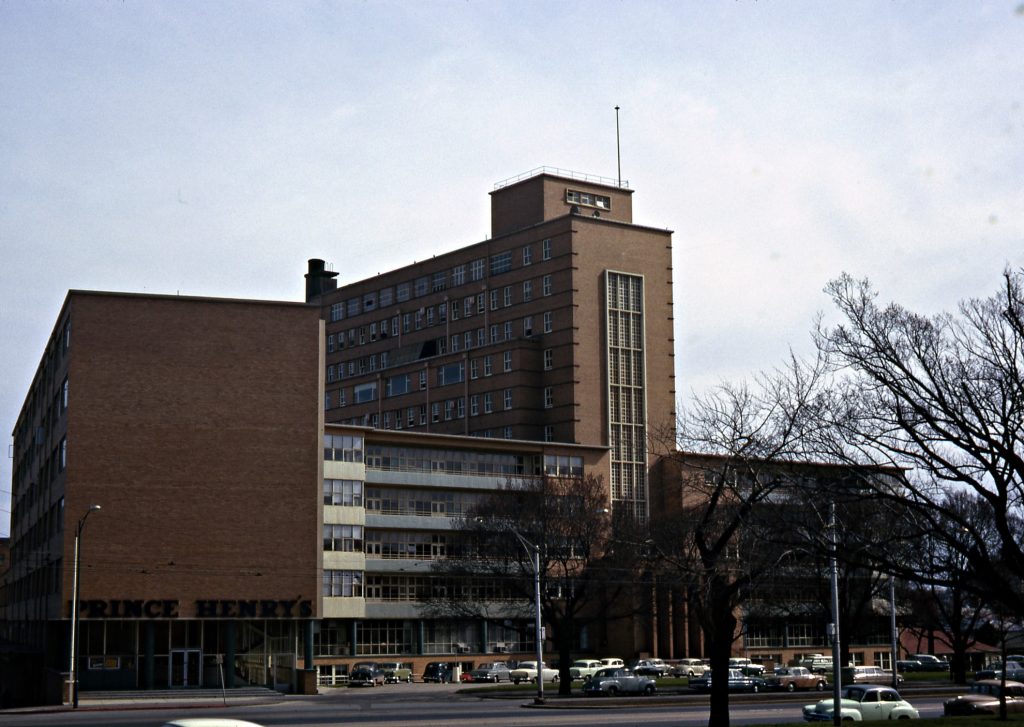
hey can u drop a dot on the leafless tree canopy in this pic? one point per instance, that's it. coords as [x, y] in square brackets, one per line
[943, 398]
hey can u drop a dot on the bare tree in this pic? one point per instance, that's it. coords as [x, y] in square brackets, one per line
[712, 536]
[584, 580]
[941, 398]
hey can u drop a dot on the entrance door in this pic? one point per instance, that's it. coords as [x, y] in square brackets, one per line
[185, 667]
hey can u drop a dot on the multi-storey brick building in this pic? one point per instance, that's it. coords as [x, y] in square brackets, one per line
[558, 328]
[234, 528]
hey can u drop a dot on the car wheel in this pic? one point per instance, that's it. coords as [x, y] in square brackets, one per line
[586, 678]
[690, 674]
[612, 691]
[649, 690]
[754, 689]
[555, 679]
[821, 686]
[791, 687]
[515, 681]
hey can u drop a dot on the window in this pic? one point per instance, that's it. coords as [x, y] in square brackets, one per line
[460, 407]
[62, 457]
[528, 326]
[423, 379]
[467, 340]
[442, 312]
[501, 263]
[458, 275]
[341, 398]
[547, 322]
[481, 337]
[430, 316]
[474, 405]
[508, 330]
[343, 538]
[527, 291]
[476, 269]
[481, 304]
[507, 361]
[527, 255]
[373, 331]
[423, 414]
[435, 412]
[387, 297]
[474, 368]
[397, 385]
[439, 281]
[343, 583]
[487, 365]
[549, 433]
[507, 398]
[449, 409]
[370, 301]
[402, 292]
[546, 285]
[467, 305]
[549, 359]
[451, 374]
[352, 307]
[419, 319]
[410, 416]
[362, 393]
[507, 432]
[545, 249]
[456, 340]
[422, 285]
[494, 333]
[549, 397]
[507, 296]
[406, 318]
[494, 299]
[456, 308]
[336, 313]
[488, 402]
[348, 493]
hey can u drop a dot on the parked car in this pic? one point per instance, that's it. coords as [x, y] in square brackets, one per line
[688, 668]
[930, 662]
[817, 663]
[527, 672]
[437, 671]
[792, 678]
[366, 674]
[1014, 671]
[491, 671]
[869, 675]
[209, 722]
[584, 669]
[905, 665]
[649, 667]
[619, 680]
[396, 671]
[984, 699]
[610, 661]
[862, 702]
[746, 666]
[738, 682]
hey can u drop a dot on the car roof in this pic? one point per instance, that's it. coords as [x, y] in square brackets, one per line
[209, 722]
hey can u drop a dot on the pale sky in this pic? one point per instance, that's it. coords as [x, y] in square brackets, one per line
[210, 148]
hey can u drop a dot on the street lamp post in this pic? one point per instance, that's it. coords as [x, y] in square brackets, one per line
[534, 552]
[74, 606]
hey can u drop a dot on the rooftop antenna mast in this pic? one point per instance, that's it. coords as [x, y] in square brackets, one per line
[618, 151]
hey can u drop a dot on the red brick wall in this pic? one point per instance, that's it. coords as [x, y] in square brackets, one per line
[194, 424]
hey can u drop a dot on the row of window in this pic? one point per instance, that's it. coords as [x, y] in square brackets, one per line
[436, 282]
[463, 341]
[422, 414]
[343, 447]
[588, 199]
[433, 315]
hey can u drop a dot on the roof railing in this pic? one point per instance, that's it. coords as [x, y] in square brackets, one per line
[568, 174]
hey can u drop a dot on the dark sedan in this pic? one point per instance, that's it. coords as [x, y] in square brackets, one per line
[738, 682]
[366, 674]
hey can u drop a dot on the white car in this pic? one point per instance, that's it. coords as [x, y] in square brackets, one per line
[611, 661]
[863, 702]
[689, 668]
[584, 669]
[527, 672]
